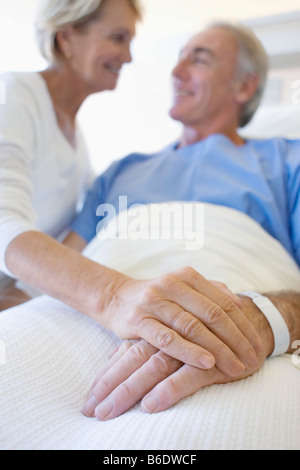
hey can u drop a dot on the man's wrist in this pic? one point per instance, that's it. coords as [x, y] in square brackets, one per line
[276, 320]
[261, 324]
[288, 304]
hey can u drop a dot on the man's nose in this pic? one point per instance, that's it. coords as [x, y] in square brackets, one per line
[180, 70]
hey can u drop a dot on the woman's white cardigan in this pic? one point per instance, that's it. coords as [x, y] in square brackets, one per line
[43, 178]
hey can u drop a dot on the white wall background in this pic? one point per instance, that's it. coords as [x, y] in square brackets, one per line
[134, 117]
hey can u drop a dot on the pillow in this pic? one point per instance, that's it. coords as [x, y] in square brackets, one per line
[274, 121]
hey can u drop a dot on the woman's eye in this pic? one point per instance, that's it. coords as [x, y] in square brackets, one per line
[119, 38]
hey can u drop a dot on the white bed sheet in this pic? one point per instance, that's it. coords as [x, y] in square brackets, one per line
[52, 354]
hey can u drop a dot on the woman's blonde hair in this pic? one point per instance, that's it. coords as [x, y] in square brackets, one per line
[53, 15]
[252, 59]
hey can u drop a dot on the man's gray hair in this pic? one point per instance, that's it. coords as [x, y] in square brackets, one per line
[53, 15]
[252, 59]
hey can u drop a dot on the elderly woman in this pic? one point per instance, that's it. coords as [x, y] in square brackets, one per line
[44, 172]
[44, 163]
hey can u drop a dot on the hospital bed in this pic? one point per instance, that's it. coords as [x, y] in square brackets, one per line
[50, 354]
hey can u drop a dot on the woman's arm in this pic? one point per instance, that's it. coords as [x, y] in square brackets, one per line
[11, 295]
[60, 271]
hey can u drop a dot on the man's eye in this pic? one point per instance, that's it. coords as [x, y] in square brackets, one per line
[200, 60]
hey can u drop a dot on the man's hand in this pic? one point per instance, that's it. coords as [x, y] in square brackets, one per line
[187, 317]
[139, 371]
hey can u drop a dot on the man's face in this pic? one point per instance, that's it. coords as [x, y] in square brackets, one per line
[204, 80]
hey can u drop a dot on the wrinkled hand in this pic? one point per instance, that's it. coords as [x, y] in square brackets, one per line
[187, 317]
[138, 371]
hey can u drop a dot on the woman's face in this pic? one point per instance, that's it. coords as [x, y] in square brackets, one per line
[98, 53]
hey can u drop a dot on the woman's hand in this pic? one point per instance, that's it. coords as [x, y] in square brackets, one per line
[187, 317]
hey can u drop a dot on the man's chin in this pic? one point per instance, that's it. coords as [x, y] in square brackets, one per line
[175, 115]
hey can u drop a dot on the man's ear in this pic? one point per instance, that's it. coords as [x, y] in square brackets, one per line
[246, 88]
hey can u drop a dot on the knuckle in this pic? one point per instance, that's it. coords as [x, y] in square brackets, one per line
[149, 295]
[214, 315]
[228, 305]
[127, 344]
[126, 390]
[172, 388]
[192, 329]
[220, 285]
[160, 362]
[187, 272]
[139, 352]
[166, 282]
[106, 383]
[179, 320]
[165, 339]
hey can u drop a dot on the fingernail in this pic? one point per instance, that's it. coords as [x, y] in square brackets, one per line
[104, 409]
[89, 406]
[150, 403]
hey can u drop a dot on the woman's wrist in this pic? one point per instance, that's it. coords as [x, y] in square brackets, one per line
[107, 288]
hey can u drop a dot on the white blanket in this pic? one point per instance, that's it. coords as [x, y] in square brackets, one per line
[50, 355]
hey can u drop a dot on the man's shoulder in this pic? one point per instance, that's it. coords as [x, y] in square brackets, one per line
[280, 149]
[283, 144]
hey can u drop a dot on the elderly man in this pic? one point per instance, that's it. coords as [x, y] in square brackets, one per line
[218, 82]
